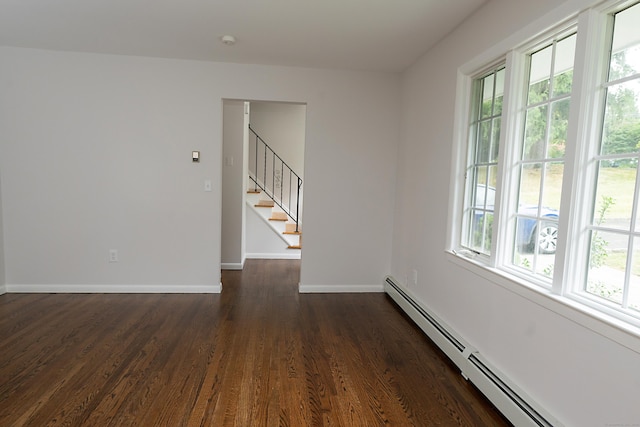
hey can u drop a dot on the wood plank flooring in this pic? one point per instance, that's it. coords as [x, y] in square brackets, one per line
[259, 354]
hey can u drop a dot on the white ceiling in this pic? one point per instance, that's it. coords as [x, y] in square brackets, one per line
[383, 35]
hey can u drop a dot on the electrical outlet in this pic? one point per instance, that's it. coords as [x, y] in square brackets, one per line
[113, 255]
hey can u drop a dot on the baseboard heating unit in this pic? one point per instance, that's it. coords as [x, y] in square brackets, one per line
[514, 404]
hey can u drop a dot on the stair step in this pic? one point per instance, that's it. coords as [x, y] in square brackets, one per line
[253, 191]
[298, 246]
[278, 216]
[265, 204]
[294, 233]
[290, 228]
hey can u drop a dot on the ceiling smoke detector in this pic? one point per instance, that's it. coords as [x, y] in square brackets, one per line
[228, 40]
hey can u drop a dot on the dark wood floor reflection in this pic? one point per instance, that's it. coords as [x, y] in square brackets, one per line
[259, 354]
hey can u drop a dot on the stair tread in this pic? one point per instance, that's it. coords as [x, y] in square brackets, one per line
[296, 233]
[291, 227]
[278, 216]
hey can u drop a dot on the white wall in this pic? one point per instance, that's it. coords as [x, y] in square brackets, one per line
[2, 275]
[282, 126]
[95, 155]
[582, 377]
[233, 207]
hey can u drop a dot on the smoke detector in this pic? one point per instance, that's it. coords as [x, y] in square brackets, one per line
[228, 40]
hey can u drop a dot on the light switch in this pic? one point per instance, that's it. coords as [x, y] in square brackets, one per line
[207, 185]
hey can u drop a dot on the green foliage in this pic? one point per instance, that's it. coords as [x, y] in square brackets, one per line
[536, 127]
[602, 289]
[622, 137]
[621, 132]
[598, 244]
[599, 255]
[620, 67]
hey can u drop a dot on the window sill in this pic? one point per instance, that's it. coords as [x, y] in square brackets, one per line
[610, 327]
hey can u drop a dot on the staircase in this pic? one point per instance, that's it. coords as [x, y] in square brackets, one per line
[276, 191]
[275, 218]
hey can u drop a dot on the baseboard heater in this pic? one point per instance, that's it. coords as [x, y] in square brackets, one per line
[514, 404]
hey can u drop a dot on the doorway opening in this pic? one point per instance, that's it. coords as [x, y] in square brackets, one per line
[262, 181]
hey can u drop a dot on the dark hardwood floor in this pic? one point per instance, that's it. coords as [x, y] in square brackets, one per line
[259, 354]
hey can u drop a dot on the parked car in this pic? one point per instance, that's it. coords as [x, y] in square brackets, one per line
[527, 228]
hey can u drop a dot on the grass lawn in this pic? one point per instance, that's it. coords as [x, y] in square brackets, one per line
[618, 183]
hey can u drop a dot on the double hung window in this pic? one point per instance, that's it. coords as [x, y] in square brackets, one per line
[483, 160]
[614, 230]
[540, 166]
[524, 147]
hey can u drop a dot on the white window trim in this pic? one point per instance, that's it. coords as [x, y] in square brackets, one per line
[563, 297]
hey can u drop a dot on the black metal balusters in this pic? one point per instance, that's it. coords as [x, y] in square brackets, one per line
[262, 181]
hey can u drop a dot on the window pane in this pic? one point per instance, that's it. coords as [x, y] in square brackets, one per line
[497, 109]
[481, 183]
[530, 186]
[552, 188]
[625, 57]
[546, 234]
[607, 266]
[614, 196]
[563, 69]
[484, 142]
[535, 245]
[487, 97]
[485, 191]
[621, 130]
[525, 243]
[480, 231]
[558, 131]
[535, 131]
[492, 177]
[539, 76]
[547, 238]
[495, 140]
[480, 218]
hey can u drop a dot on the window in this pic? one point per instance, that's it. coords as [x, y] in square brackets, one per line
[522, 151]
[541, 163]
[484, 134]
[614, 231]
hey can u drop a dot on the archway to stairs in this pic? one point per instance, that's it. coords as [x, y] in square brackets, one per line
[258, 219]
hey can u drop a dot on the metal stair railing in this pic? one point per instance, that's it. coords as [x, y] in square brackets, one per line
[274, 177]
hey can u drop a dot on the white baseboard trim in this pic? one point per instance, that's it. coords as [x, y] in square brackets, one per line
[295, 255]
[339, 289]
[231, 266]
[3, 289]
[115, 289]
